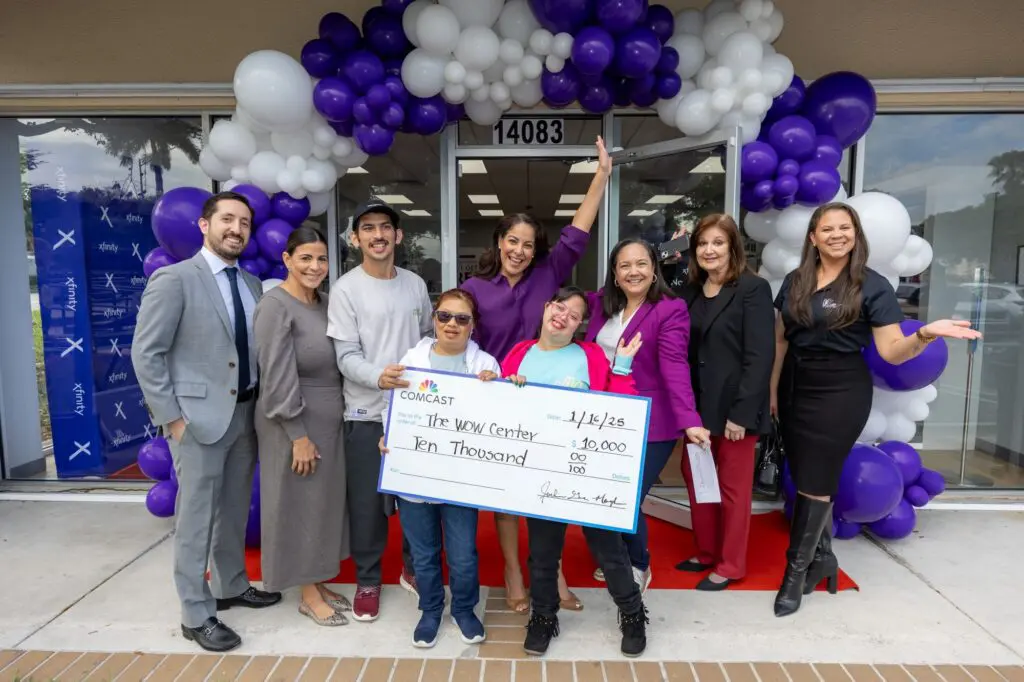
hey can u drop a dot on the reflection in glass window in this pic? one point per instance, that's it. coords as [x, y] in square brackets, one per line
[961, 177]
[88, 188]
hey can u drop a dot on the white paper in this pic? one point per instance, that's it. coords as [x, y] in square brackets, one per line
[705, 475]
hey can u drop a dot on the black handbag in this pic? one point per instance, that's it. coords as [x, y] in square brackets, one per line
[768, 469]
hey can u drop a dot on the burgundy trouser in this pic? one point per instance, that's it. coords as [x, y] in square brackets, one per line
[721, 530]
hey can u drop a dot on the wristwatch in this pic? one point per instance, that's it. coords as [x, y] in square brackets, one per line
[923, 337]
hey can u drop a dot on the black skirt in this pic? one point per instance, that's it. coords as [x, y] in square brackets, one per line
[824, 403]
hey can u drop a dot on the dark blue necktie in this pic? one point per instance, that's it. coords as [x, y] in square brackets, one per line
[241, 332]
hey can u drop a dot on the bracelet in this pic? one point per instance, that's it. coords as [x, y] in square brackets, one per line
[924, 339]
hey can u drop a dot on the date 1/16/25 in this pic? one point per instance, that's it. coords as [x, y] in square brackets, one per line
[602, 420]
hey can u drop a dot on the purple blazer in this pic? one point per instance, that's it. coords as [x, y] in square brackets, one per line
[660, 369]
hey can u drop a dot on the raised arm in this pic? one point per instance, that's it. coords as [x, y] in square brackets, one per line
[155, 328]
[587, 212]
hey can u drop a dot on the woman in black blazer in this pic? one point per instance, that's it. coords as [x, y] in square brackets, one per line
[731, 350]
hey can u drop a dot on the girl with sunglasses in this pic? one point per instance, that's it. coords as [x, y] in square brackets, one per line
[556, 359]
[429, 526]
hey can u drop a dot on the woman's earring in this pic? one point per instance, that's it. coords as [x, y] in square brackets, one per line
[654, 279]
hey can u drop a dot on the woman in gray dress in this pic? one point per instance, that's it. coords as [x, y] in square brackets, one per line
[299, 424]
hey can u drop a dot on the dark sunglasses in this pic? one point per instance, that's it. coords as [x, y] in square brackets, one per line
[444, 317]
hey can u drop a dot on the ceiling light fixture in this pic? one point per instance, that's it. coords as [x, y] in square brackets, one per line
[712, 164]
[492, 212]
[484, 198]
[416, 213]
[588, 167]
[394, 198]
[641, 213]
[664, 199]
[571, 199]
[472, 167]
[358, 170]
[565, 213]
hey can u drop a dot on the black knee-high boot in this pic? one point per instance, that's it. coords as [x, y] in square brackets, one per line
[825, 565]
[809, 518]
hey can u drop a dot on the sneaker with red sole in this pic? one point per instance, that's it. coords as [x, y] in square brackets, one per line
[408, 583]
[366, 605]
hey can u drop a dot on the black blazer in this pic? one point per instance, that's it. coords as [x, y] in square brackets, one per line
[735, 356]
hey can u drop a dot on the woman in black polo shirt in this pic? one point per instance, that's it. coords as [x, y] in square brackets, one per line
[830, 308]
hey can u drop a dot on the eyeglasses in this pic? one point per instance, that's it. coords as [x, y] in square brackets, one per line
[444, 317]
[563, 309]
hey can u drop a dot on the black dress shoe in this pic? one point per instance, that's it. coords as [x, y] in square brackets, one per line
[212, 635]
[709, 585]
[251, 598]
[693, 566]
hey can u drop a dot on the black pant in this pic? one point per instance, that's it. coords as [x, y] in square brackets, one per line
[546, 541]
[368, 510]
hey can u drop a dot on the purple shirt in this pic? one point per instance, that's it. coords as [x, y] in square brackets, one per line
[509, 315]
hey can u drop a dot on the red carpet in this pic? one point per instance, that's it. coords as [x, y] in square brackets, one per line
[769, 536]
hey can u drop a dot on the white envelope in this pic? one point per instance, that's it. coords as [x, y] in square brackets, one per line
[705, 475]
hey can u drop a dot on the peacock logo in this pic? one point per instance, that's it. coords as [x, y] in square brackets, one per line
[428, 386]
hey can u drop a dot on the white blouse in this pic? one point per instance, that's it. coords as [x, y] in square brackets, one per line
[611, 332]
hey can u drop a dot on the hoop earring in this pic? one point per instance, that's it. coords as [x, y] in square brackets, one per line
[655, 279]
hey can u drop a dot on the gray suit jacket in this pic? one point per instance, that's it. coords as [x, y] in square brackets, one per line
[184, 349]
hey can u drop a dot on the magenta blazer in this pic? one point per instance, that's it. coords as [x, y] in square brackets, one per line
[660, 369]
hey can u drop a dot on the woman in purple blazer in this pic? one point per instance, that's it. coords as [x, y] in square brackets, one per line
[635, 299]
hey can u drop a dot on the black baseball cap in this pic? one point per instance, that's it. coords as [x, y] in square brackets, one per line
[375, 206]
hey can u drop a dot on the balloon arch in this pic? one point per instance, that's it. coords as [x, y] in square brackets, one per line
[416, 66]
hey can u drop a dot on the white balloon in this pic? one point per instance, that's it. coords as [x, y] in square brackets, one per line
[263, 143]
[264, 169]
[495, 72]
[718, 7]
[921, 261]
[232, 142]
[500, 92]
[423, 73]
[554, 64]
[528, 93]
[505, 104]
[454, 72]
[899, 428]
[720, 77]
[704, 75]
[561, 46]
[438, 30]
[899, 263]
[473, 80]
[409, 18]
[248, 121]
[240, 174]
[485, 112]
[915, 410]
[929, 393]
[841, 195]
[779, 258]
[532, 67]
[274, 90]
[517, 22]
[751, 9]
[762, 28]
[297, 143]
[695, 116]
[776, 22]
[511, 51]
[477, 48]
[270, 283]
[750, 127]
[322, 153]
[455, 93]
[356, 158]
[214, 168]
[793, 224]
[776, 285]
[885, 400]
[319, 202]
[756, 105]
[343, 146]
[742, 50]
[313, 181]
[778, 69]
[228, 185]
[289, 181]
[720, 27]
[689, 22]
[768, 9]
[749, 81]
[475, 13]
[666, 108]
[886, 225]
[513, 76]
[722, 100]
[762, 227]
[691, 54]
[542, 41]
[874, 428]
[296, 164]
[324, 135]
[481, 94]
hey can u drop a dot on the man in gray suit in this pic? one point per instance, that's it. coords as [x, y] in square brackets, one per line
[195, 360]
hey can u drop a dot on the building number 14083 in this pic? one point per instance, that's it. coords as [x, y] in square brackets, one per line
[529, 131]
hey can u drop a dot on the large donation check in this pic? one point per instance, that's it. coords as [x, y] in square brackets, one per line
[555, 453]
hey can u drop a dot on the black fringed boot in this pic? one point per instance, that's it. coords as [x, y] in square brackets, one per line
[809, 518]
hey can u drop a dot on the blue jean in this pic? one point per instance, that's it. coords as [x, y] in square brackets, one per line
[658, 453]
[428, 525]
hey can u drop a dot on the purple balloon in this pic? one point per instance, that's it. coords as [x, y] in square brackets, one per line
[669, 61]
[362, 69]
[175, 221]
[750, 200]
[828, 150]
[562, 88]
[252, 526]
[333, 97]
[786, 186]
[897, 524]
[618, 16]
[378, 97]
[758, 161]
[637, 52]
[160, 499]
[174, 476]
[782, 201]
[454, 112]
[374, 139]
[340, 30]
[932, 482]
[870, 485]
[427, 116]
[660, 20]
[277, 271]
[846, 530]
[258, 200]
[819, 182]
[156, 259]
[593, 50]
[272, 238]
[562, 16]
[386, 36]
[916, 496]
[788, 486]
[290, 209]
[913, 374]
[764, 189]
[597, 98]
[906, 457]
[641, 86]
[320, 58]
[370, 17]
[396, 90]
[793, 137]
[394, 116]
[668, 85]
[362, 113]
[841, 104]
[253, 266]
[251, 250]
[644, 99]
[343, 128]
[789, 101]
[395, 6]
[788, 167]
[154, 459]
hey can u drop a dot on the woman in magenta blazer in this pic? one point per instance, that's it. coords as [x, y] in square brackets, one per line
[635, 299]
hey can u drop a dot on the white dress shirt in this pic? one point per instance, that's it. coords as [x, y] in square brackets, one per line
[610, 334]
[217, 266]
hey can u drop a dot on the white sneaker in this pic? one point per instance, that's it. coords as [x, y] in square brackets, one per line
[642, 578]
[599, 575]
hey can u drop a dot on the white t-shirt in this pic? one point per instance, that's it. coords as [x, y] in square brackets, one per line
[611, 332]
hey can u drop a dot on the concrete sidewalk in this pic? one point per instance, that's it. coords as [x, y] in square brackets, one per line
[94, 578]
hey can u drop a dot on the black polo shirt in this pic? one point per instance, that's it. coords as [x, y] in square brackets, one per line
[879, 308]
